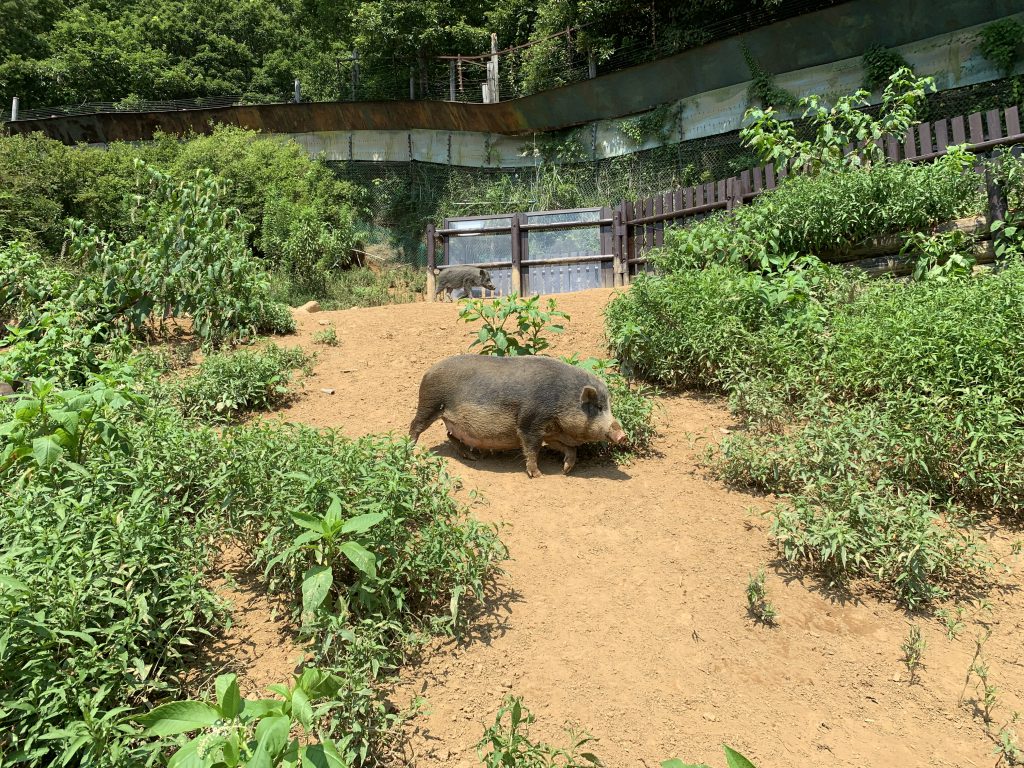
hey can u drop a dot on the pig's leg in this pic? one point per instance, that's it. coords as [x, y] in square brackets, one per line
[426, 414]
[531, 442]
[569, 451]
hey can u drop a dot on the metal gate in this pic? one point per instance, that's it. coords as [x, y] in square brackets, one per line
[540, 252]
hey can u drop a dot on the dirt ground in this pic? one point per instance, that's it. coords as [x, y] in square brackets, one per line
[622, 609]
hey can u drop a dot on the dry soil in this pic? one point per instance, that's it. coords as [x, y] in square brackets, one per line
[622, 609]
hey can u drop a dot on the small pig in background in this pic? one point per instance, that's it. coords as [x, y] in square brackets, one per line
[503, 403]
[466, 278]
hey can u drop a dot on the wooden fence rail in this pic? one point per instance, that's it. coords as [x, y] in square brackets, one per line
[630, 230]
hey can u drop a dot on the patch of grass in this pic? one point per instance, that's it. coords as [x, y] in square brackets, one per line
[328, 337]
[759, 606]
[913, 651]
[355, 287]
[508, 743]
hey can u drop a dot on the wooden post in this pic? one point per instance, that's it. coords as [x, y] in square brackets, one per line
[591, 65]
[298, 91]
[431, 260]
[617, 238]
[517, 254]
[492, 71]
[451, 80]
[412, 84]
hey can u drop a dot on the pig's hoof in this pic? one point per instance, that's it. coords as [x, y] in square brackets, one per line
[533, 472]
[567, 468]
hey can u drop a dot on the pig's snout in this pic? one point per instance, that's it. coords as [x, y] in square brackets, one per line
[617, 435]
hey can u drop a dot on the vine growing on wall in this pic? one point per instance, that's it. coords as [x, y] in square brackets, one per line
[657, 124]
[1001, 42]
[763, 89]
[879, 63]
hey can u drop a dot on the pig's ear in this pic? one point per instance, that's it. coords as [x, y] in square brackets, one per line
[483, 273]
[589, 395]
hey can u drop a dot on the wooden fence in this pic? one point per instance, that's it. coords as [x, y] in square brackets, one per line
[631, 229]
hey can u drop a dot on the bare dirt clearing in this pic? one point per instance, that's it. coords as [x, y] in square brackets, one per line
[623, 606]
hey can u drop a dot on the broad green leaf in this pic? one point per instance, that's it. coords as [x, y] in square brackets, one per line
[316, 584]
[257, 708]
[323, 755]
[272, 734]
[7, 582]
[735, 760]
[188, 755]
[307, 521]
[361, 523]
[178, 717]
[301, 708]
[46, 450]
[361, 559]
[229, 700]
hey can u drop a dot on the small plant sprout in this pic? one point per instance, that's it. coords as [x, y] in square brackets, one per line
[1006, 744]
[508, 743]
[913, 651]
[328, 337]
[952, 621]
[758, 605]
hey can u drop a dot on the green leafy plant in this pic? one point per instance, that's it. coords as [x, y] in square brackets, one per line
[327, 539]
[507, 743]
[230, 384]
[838, 127]
[940, 256]
[952, 621]
[328, 337]
[1000, 44]
[763, 88]
[758, 604]
[913, 651]
[733, 759]
[238, 732]
[879, 64]
[512, 326]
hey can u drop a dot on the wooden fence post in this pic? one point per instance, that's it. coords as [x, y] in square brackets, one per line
[617, 238]
[431, 260]
[997, 204]
[517, 254]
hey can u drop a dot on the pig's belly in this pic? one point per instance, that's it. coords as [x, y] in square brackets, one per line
[483, 431]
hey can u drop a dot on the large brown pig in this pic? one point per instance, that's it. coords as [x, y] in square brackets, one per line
[503, 403]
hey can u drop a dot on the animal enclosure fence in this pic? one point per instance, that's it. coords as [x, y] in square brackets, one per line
[569, 250]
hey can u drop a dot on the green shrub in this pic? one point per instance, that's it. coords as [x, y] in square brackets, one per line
[508, 743]
[1000, 44]
[879, 64]
[512, 326]
[354, 287]
[228, 385]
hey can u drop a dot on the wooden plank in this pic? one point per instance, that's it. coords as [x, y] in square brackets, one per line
[941, 135]
[688, 198]
[1012, 121]
[995, 127]
[892, 149]
[924, 135]
[910, 145]
[974, 124]
[744, 183]
[630, 250]
[759, 178]
[720, 191]
[957, 125]
[659, 227]
[769, 176]
[517, 253]
[677, 200]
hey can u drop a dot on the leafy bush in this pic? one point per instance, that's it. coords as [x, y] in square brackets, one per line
[529, 323]
[889, 411]
[354, 287]
[228, 385]
[1000, 42]
[879, 64]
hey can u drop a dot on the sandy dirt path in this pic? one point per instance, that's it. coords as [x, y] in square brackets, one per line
[623, 609]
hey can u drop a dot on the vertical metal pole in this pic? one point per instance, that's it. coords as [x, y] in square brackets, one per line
[591, 65]
[412, 84]
[298, 91]
[431, 260]
[451, 80]
[14, 109]
[517, 255]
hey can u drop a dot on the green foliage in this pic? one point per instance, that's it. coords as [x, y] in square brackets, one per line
[508, 744]
[758, 604]
[733, 759]
[879, 64]
[831, 213]
[940, 256]
[328, 337]
[237, 732]
[355, 287]
[888, 411]
[763, 89]
[658, 124]
[228, 385]
[838, 127]
[526, 333]
[1000, 44]
[913, 651]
